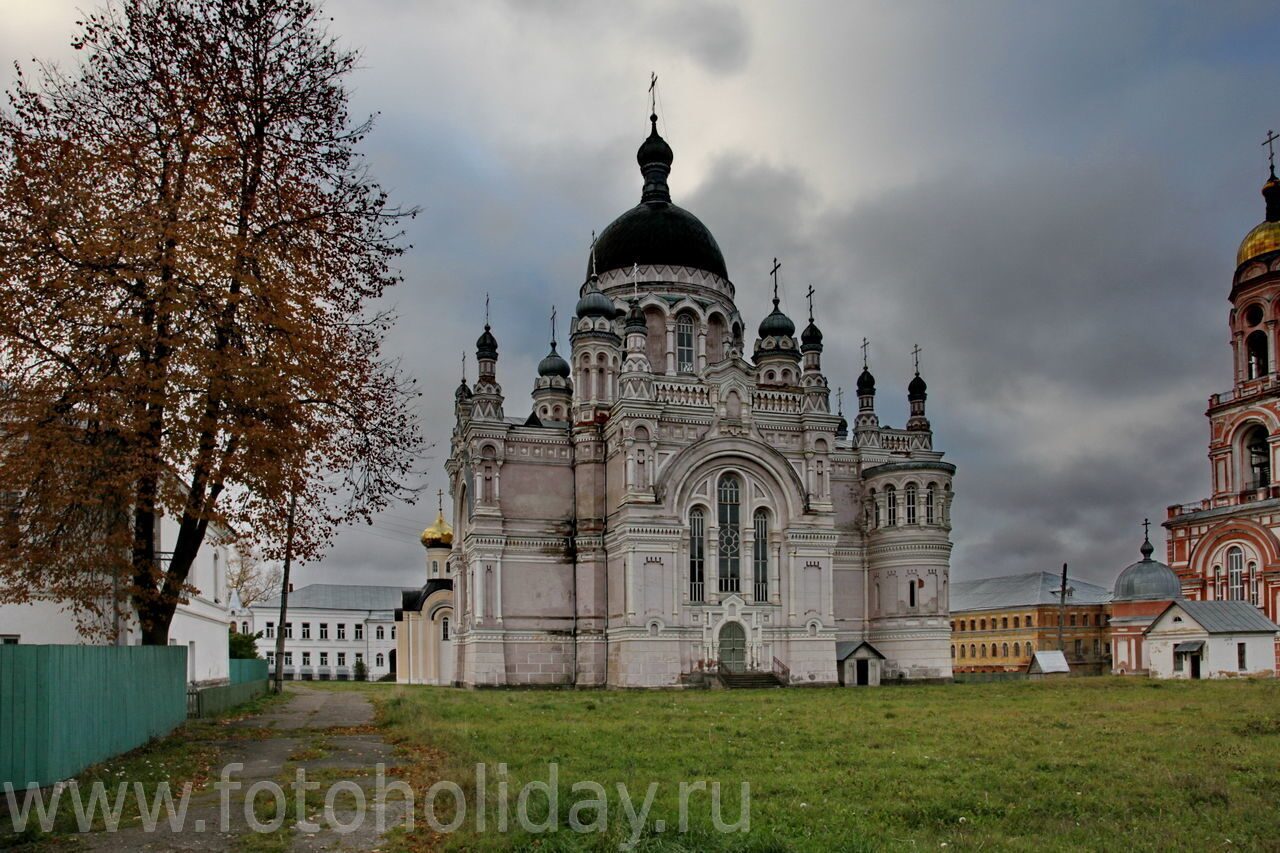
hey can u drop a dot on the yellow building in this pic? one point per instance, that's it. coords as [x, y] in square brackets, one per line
[998, 624]
[424, 642]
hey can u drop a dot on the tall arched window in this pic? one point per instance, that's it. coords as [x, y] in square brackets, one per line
[1219, 588]
[891, 503]
[1235, 573]
[684, 343]
[875, 510]
[760, 554]
[911, 503]
[1257, 453]
[729, 544]
[697, 554]
[928, 503]
[444, 628]
[911, 592]
[379, 660]
[1256, 347]
[1004, 650]
[379, 633]
[1016, 650]
[962, 650]
[1253, 584]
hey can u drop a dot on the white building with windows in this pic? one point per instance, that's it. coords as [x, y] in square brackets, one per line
[1211, 639]
[669, 507]
[200, 621]
[329, 628]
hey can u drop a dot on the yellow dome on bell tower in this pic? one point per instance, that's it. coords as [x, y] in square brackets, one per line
[1266, 236]
[438, 535]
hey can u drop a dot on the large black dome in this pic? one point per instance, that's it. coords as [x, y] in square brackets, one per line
[656, 232]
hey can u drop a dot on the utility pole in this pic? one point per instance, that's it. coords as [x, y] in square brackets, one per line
[284, 588]
[1062, 609]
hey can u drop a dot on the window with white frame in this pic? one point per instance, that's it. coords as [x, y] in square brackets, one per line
[379, 633]
[729, 539]
[891, 504]
[342, 631]
[760, 553]
[270, 631]
[324, 630]
[306, 630]
[929, 498]
[359, 631]
[1235, 573]
[911, 503]
[697, 554]
[684, 343]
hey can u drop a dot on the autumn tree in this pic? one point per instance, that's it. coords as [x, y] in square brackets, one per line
[191, 255]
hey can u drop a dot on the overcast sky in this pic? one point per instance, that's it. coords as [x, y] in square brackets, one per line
[1047, 198]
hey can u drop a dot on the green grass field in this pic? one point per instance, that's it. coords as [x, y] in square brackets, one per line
[1100, 763]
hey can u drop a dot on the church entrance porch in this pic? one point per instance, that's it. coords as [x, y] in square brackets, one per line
[733, 648]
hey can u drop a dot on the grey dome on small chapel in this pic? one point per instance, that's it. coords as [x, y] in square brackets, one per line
[777, 324]
[656, 232]
[595, 304]
[1147, 580]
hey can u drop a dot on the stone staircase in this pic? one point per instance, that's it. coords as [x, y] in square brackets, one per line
[746, 680]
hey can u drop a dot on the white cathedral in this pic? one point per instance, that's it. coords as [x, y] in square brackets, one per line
[672, 512]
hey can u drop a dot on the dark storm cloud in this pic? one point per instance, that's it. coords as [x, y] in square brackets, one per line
[1045, 197]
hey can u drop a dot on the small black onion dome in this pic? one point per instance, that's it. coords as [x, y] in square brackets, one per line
[463, 392]
[595, 304]
[553, 365]
[843, 429]
[811, 338]
[486, 344]
[635, 318]
[777, 324]
[654, 149]
[866, 383]
[916, 390]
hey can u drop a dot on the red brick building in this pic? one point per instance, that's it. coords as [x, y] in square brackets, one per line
[1225, 547]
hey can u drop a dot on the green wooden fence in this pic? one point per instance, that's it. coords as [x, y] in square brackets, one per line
[63, 708]
[211, 701]
[254, 669]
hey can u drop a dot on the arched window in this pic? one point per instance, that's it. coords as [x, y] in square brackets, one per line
[244, 626]
[729, 544]
[697, 554]
[1031, 647]
[1253, 586]
[984, 650]
[983, 624]
[953, 651]
[875, 510]
[379, 633]
[1016, 652]
[891, 501]
[760, 554]
[684, 343]
[444, 628]
[911, 592]
[1219, 588]
[1016, 620]
[1256, 364]
[1257, 453]
[1004, 650]
[379, 660]
[973, 650]
[1235, 573]
[961, 650]
[911, 495]
[928, 503]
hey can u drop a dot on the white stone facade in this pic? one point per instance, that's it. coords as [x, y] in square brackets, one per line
[671, 507]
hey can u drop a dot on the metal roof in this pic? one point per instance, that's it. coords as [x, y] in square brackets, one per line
[1188, 647]
[1026, 590]
[341, 596]
[1223, 617]
[843, 650]
[1054, 661]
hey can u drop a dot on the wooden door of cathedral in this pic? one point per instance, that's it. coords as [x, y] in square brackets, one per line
[733, 648]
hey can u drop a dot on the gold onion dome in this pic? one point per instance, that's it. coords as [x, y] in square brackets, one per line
[438, 535]
[1266, 237]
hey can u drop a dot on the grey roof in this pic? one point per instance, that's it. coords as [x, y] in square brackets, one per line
[1052, 661]
[1147, 580]
[1188, 647]
[1224, 617]
[843, 650]
[341, 596]
[1022, 591]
